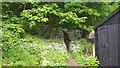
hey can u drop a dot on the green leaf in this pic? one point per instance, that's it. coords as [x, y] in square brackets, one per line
[32, 23]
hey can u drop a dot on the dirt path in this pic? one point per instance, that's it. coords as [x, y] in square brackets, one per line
[71, 61]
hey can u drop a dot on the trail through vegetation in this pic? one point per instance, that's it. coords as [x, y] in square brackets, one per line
[71, 61]
[31, 36]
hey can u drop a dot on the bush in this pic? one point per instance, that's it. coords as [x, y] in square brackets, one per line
[16, 28]
[82, 53]
[13, 51]
[18, 56]
[81, 46]
[29, 50]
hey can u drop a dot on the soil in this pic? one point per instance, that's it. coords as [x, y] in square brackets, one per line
[71, 62]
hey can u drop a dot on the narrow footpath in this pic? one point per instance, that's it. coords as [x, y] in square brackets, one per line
[71, 62]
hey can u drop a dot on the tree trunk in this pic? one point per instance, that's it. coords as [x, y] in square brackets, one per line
[48, 30]
[83, 33]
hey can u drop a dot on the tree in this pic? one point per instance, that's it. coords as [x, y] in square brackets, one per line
[48, 17]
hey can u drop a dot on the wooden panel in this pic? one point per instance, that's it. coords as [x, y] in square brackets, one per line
[96, 44]
[119, 44]
[107, 41]
[113, 44]
[103, 46]
[119, 39]
[112, 20]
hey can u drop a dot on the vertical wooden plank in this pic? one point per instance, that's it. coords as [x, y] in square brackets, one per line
[119, 43]
[107, 41]
[100, 46]
[113, 40]
[119, 38]
[96, 44]
[103, 46]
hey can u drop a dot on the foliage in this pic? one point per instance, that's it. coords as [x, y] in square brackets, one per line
[30, 50]
[81, 52]
[18, 56]
[48, 51]
[81, 46]
[21, 48]
[48, 16]
[85, 60]
[16, 28]
[13, 51]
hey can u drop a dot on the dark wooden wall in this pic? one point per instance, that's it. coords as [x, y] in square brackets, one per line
[107, 41]
[119, 38]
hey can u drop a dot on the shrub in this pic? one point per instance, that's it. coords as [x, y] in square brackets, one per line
[13, 52]
[82, 53]
[29, 50]
[16, 28]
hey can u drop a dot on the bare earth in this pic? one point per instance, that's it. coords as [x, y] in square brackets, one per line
[71, 62]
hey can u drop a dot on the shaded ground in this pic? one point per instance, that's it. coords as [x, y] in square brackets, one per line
[71, 62]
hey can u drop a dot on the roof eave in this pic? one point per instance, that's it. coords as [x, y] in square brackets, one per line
[111, 15]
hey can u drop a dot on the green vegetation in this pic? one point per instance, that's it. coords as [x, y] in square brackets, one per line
[30, 50]
[28, 28]
[49, 17]
[82, 53]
